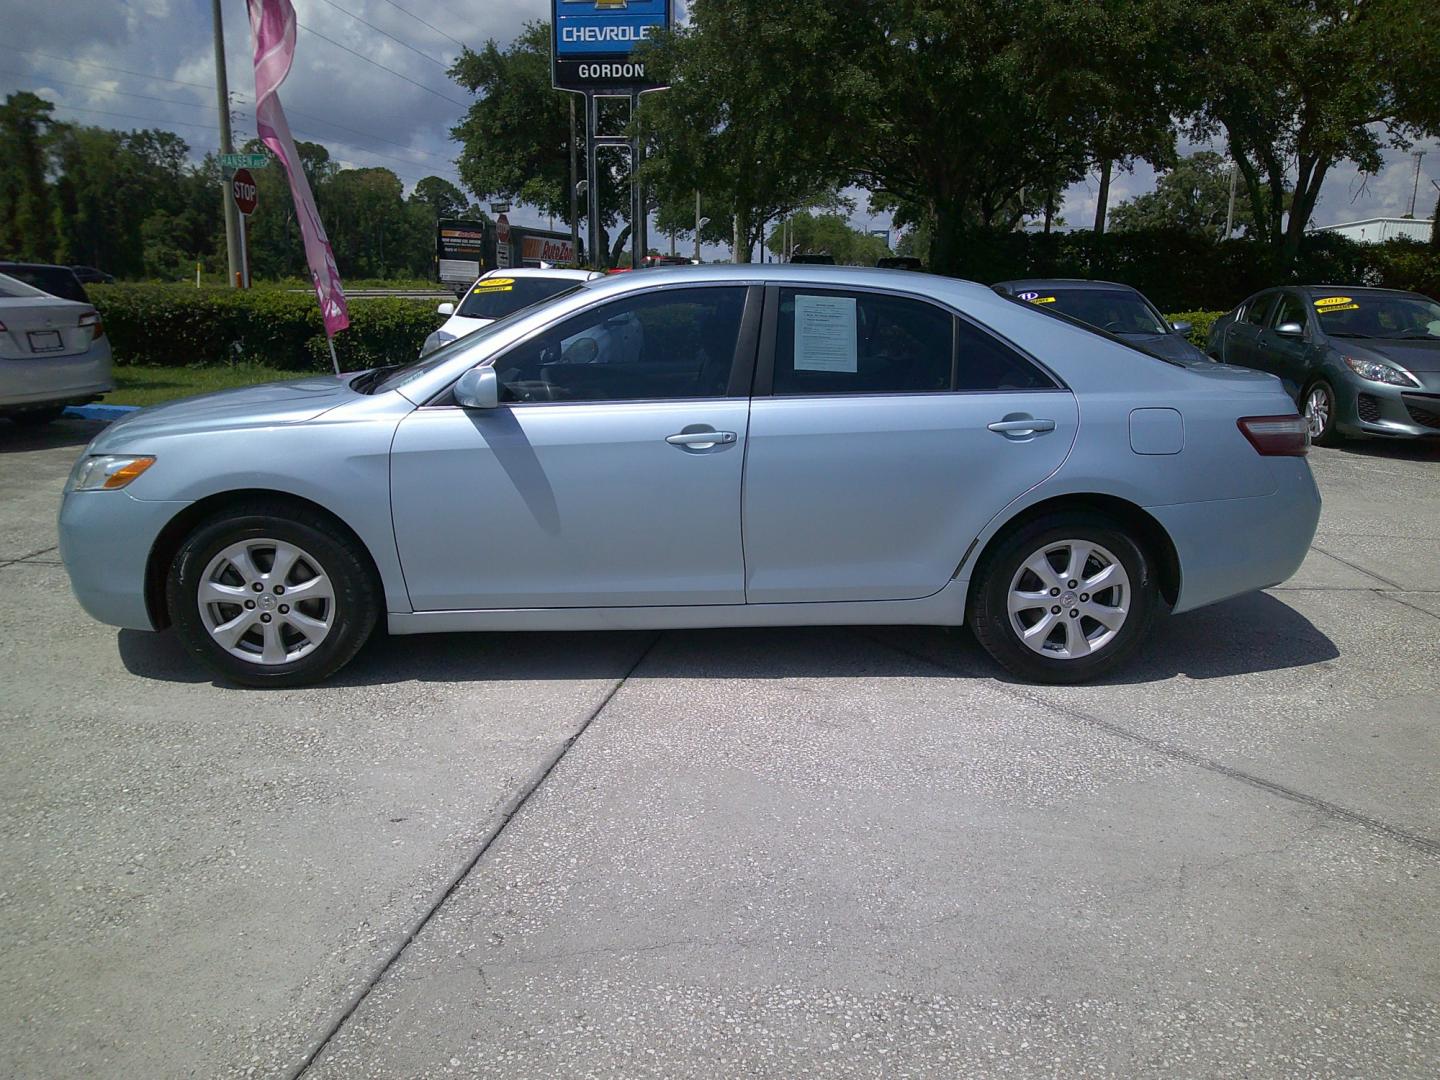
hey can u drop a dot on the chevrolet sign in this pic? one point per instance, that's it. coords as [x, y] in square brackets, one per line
[592, 42]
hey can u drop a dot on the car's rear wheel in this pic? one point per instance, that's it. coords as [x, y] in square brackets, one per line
[270, 596]
[1318, 406]
[1065, 599]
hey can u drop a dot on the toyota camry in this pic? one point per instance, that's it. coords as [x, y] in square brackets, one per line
[699, 447]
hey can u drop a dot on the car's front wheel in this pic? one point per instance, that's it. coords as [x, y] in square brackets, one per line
[1319, 409]
[270, 596]
[1064, 599]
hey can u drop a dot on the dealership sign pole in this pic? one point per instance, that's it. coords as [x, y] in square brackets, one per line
[592, 45]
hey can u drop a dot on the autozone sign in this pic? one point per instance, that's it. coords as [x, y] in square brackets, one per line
[538, 249]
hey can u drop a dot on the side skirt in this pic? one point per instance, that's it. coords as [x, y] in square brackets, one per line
[945, 608]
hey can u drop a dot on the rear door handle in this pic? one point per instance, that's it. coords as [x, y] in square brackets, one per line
[1021, 427]
[700, 438]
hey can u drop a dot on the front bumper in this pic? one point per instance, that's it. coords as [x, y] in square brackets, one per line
[1405, 412]
[105, 543]
[1231, 546]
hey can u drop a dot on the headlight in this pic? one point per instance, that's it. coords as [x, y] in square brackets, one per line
[107, 472]
[1378, 372]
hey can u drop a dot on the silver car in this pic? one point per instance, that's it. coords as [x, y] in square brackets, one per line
[53, 353]
[777, 446]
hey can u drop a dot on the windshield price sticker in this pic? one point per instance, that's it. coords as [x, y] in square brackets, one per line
[1035, 298]
[1327, 304]
[489, 285]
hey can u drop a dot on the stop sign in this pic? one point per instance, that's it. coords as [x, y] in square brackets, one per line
[242, 189]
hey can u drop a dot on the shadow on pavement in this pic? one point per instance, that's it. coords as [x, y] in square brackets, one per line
[1250, 634]
[1397, 449]
[15, 438]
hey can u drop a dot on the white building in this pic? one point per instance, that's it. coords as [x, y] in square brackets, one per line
[1377, 230]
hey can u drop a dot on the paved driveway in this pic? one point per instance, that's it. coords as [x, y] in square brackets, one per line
[740, 853]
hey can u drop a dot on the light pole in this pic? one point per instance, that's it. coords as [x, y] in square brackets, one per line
[222, 92]
[1415, 191]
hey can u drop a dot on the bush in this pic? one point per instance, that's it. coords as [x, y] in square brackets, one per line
[1183, 271]
[181, 326]
[1200, 323]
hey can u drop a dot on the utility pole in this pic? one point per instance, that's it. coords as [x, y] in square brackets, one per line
[1415, 191]
[222, 91]
[1230, 212]
[574, 190]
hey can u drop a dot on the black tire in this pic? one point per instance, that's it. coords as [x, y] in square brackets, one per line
[1328, 435]
[37, 417]
[356, 599]
[989, 614]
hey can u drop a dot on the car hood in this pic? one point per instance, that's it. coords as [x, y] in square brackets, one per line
[265, 405]
[1413, 355]
[1170, 346]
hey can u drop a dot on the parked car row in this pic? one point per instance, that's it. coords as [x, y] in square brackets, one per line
[53, 352]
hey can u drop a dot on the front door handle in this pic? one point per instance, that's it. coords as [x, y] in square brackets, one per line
[1027, 426]
[700, 439]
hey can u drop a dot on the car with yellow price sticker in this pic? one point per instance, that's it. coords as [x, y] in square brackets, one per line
[498, 294]
[1358, 361]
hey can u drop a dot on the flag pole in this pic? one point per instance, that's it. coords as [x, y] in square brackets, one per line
[333, 358]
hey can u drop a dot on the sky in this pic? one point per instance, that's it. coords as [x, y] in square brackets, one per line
[150, 63]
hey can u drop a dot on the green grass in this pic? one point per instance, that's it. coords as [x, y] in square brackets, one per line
[151, 385]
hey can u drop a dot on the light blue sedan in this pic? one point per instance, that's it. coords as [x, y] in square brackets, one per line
[763, 446]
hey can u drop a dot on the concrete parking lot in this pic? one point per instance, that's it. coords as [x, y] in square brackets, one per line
[735, 853]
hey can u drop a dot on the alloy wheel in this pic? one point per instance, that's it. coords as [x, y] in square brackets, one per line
[1069, 599]
[1317, 411]
[266, 601]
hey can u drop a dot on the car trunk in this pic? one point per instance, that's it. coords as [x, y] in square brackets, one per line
[38, 327]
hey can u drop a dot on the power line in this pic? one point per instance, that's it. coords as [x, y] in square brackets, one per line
[132, 116]
[104, 67]
[377, 153]
[122, 93]
[422, 22]
[365, 134]
[439, 63]
[382, 67]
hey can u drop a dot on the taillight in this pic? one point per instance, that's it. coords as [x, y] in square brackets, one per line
[92, 320]
[1276, 436]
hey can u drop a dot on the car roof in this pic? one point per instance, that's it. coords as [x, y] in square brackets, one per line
[820, 275]
[1062, 283]
[1360, 290]
[541, 272]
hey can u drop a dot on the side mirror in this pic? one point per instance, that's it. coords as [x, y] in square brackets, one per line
[1290, 329]
[1180, 327]
[445, 309]
[478, 388]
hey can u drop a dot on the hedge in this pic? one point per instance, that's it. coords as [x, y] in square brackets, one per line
[1184, 271]
[181, 326]
[1200, 323]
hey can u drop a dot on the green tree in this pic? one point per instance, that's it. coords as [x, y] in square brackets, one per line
[1296, 86]
[26, 230]
[747, 118]
[1194, 196]
[828, 234]
[515, 140]
[444, 199]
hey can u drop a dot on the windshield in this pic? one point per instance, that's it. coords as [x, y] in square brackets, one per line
[408, 372]
[1378, 316]
[1119, 311]
[1090, 328]
[496, 297]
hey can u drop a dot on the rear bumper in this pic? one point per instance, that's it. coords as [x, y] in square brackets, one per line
[105, 543]
[1231, 546]
[58, 380]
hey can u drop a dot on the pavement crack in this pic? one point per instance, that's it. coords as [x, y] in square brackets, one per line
[499, 821]
[1405, 603]
[1406, 838]
[21, 558]
[1356, 567]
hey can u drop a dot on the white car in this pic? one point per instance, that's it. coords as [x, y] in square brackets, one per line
[53, 353]
[497, 294]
